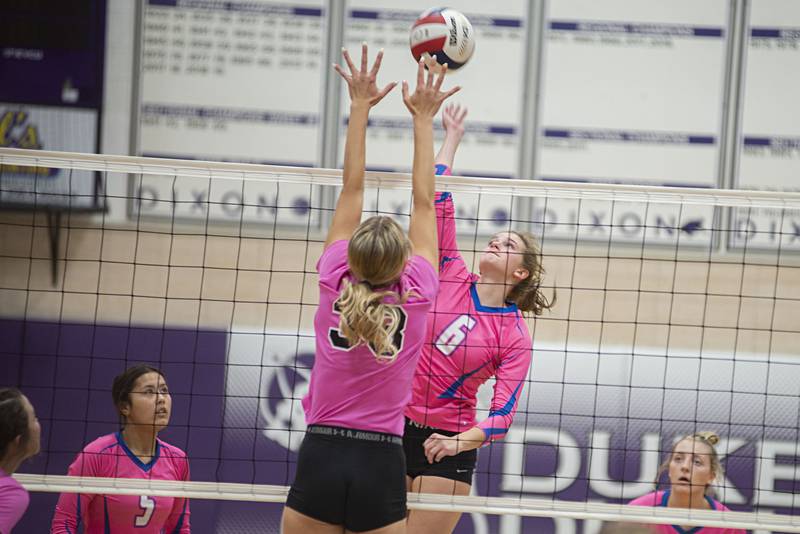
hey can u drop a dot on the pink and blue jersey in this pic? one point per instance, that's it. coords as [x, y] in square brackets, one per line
[661, 498]
[467, 343]
[349, 388]
[109, 456]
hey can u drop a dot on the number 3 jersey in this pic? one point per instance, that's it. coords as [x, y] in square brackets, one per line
[349, 387]
[468, 343]
[109, 456]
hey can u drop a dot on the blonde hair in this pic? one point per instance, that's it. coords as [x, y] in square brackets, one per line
[527, 294]
[708, 438]
[376, 254]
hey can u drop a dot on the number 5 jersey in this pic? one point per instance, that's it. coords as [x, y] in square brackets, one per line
[109, 456]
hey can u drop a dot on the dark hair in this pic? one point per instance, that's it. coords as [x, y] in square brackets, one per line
[123, 385]
[13, 418]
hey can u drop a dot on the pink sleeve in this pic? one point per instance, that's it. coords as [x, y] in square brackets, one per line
[72, 508]
[449, 256]
[510, 378]
[422, 278]
[13, 503]
[178, 520]
[332, 264]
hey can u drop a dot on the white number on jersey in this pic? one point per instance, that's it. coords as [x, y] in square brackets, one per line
[147, 505]
[455, 334]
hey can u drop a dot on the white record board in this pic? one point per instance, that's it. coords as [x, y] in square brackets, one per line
[237, 80]
[492, 88]
[769, 133]
[632, 91]
[232, 81]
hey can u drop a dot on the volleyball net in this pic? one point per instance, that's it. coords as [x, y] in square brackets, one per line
[676, 312]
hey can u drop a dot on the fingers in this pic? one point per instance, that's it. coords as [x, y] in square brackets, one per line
[440, 79]
[385, 91]
[451, 92]
[462, 113]
[421, 72]
[377, 65]
[429, 82]
[341, 72]
[364, 57]
[349, 61]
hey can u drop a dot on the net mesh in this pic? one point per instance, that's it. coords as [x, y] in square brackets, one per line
[676, 313]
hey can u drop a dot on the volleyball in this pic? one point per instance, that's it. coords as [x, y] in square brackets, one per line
[444, 33]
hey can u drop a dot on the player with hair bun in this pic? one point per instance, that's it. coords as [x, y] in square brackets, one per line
[476, 331]
[692, 468]
[144, 404]
[376, 287]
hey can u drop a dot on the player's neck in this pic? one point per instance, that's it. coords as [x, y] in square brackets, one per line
[10, 463]
[684, 499]
[491, 292]
[141, 441]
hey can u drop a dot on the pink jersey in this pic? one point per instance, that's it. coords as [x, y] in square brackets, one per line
[13, 502]
[660, 498]
[349, 388]
[109, 456]
[468, 344]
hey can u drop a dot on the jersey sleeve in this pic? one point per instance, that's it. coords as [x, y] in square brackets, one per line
[450, 260]
[332, 264]
[178, 520]
[72, 508]
[510, 378]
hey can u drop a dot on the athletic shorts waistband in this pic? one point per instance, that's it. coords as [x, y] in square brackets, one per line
[351, 433]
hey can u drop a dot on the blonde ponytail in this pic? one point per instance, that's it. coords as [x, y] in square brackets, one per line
[366, 319]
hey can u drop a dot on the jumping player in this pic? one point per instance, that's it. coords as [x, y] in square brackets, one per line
[692, 467]
[144, 404]
[475, 331]
[376, 287]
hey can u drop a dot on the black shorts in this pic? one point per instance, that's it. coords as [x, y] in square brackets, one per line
[350, 477]
[459, 467]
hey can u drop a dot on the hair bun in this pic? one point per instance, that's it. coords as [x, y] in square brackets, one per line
[710, 437]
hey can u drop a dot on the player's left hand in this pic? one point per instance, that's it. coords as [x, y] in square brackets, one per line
[438, 446]
[361, 82]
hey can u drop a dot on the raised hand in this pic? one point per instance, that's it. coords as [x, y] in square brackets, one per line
[453, 119]
[362, 82]
[427, 97]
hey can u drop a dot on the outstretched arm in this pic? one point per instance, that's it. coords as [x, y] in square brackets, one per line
[423, 106]
[453, 121]
[364, 94]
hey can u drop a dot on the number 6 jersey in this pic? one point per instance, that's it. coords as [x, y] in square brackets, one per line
[349, 387]
[467, 343]
[109, 456]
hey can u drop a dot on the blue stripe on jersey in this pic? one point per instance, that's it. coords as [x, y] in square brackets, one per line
[135, 459]
[445, 195]
[489, 432]
[505, 410]
[679, 529]
[179, 525]
[491, 309]
[451, 391]
[445, 259]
